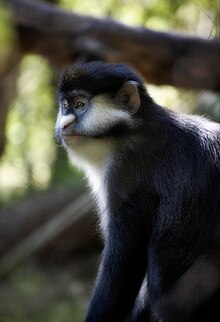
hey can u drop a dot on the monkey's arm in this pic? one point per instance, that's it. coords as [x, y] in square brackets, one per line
[123, 266]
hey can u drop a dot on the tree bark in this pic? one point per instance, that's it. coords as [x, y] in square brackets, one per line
[161, 58]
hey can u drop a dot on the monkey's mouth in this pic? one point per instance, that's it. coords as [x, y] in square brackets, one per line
[71, 135]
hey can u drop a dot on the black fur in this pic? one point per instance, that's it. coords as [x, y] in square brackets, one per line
[95, 79]
[163, 185]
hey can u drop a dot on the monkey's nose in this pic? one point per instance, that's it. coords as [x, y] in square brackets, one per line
[66, 121]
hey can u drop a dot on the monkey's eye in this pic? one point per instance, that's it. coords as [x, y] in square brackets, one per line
[79, 105]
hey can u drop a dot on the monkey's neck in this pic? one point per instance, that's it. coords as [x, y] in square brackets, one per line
[92, 158]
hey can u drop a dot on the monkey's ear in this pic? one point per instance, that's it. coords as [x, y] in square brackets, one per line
[128, 96]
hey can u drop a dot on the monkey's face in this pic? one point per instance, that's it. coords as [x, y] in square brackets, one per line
[97, 106]
[83, 117]
[88, 126]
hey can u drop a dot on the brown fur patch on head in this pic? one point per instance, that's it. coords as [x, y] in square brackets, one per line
[73, 74]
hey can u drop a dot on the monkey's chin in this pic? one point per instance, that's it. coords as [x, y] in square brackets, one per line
[72, 140]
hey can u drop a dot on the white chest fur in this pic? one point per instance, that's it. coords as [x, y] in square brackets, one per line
[92, 157]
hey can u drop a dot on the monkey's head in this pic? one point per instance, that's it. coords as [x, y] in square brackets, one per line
[97, 100]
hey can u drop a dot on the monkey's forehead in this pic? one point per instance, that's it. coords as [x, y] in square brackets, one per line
[96, 77]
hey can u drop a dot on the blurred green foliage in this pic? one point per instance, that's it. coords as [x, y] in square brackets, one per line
[30, 151]
[32, 160]
[198, 17]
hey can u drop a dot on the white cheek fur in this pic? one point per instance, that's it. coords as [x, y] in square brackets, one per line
[103, 115]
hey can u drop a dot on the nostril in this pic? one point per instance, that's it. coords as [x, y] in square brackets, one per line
[66, 126]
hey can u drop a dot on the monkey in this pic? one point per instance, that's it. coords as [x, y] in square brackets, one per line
[155, 176]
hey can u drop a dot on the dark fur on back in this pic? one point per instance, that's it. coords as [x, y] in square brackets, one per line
[174, 163]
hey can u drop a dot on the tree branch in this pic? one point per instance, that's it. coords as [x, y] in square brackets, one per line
[162, 58]
[19, 220]
[47, 232]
